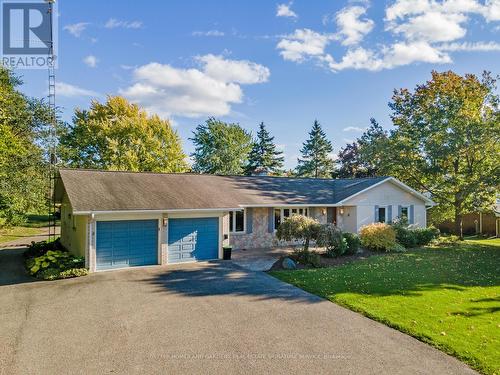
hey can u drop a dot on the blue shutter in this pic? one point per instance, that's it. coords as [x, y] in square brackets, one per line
[400, 211]
[249, 218]
[412, 215]
[376, 215]
[270, 220]
[389, 213]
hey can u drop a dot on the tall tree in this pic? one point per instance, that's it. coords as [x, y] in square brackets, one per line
[23, 168]
[118, 135]
[362, 158]
[447, 142]
[220, 148]
[264, 153]
[316, 161]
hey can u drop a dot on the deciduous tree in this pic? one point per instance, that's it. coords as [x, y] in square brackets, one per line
[447, 142]
[118, 135]
[221, 148]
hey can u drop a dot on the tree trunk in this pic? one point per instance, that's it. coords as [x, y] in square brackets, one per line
[458, 223]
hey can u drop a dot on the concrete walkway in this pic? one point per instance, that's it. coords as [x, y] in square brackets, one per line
[258, 259]
[211, 318]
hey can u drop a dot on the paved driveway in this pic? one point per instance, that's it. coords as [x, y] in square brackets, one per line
[201, 318]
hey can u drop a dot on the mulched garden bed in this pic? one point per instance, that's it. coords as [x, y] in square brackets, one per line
[330, 262]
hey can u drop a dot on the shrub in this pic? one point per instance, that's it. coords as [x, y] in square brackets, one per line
[404, 235]
[37, 249]
[397, 248]
[424, 236]
[299, 227]
[54, 273]
[307, 257]
[352, 240]
[331, 238]
[377, 236]
[447, 240]
[58, 260]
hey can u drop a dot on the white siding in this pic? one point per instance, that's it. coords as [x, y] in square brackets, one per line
[385, 194]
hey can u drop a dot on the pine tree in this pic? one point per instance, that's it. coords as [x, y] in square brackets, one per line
[316, 161]
[264, 154]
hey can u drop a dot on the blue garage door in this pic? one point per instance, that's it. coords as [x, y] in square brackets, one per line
[126, 243]
[193, 239]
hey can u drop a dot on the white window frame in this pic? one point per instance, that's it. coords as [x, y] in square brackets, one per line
[234, 221]
[305, 211]
[386, 208]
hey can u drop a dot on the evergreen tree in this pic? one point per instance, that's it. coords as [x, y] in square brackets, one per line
[264, 154]
[316, 161]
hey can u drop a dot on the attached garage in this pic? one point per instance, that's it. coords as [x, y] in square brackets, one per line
[126, 243]
[193, 239]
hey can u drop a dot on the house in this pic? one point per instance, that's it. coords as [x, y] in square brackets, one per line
[124, 219]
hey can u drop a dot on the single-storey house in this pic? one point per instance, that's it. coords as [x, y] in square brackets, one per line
[124, 219]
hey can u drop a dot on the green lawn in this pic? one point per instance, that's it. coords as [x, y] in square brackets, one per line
[448, 297]
[14, 233]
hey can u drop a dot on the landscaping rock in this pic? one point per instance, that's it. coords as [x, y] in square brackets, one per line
[288, 264]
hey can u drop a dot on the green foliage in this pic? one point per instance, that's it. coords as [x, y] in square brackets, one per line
[54, 273]
[307, 258]
[353, 242]
[264, 154]
[446, 142]
[316, 161]
[23, 182]
[378, 236]
[299, 228]
[424, 292]
[220, 148]
[397, 248]
[412, 237]
[331, 238]
[362, 158]
[118, 135]
[424, 236]
[37, 249]
[53, 259]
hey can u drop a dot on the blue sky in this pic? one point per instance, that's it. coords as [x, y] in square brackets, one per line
[284, 63]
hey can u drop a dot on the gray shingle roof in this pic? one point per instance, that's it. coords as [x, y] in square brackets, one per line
[94, 190]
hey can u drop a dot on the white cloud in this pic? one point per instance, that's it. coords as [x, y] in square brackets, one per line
[208, 33]
[114, 23]
[91, 61]
[237, 71]
[471, 46]
[354, 129]
[433, 27]
[72, 91]
[208, 91]
[284, 10]
[351, 26]
[76, 29]
[303, 44]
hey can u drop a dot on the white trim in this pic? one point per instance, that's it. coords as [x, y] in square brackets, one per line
[164, 211]
[234, 221]
[307, 205]
[402, 185]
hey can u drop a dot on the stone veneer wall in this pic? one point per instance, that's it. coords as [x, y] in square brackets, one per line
[260, 236]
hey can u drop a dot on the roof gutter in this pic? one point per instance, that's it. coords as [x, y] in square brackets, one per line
[166, 211]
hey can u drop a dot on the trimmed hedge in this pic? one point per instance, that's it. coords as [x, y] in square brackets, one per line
[353, 242]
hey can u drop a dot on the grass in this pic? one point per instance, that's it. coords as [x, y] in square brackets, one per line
[448, 297]
[32, 227]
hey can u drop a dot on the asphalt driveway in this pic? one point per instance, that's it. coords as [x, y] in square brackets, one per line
[199, 318]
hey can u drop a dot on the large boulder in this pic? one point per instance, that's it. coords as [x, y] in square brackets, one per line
[289, 264]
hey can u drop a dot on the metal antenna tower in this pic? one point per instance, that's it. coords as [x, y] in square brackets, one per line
[52, 127]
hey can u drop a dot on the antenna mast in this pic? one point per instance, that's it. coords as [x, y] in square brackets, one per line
[52, 127]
